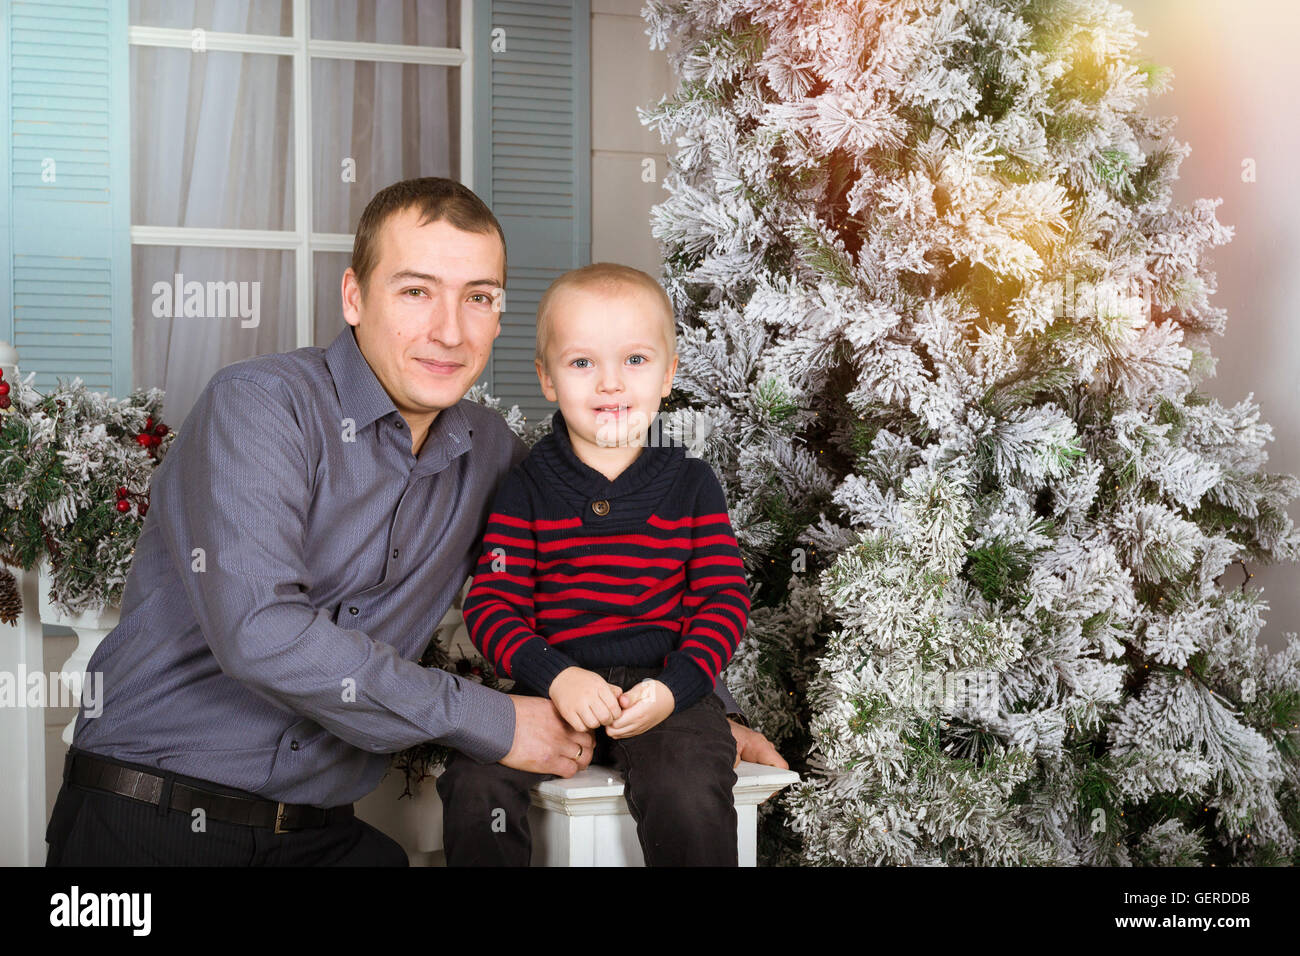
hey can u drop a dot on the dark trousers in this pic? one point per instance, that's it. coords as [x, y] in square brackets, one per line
[678, 780]
[95, 828]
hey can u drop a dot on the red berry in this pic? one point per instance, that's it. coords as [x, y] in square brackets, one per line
[122, 492]
[142, 441]
[124, 506]
[160, 431]
[4, 401]
[4, 388]
[143, 508]
[148, 423]
[154, 440]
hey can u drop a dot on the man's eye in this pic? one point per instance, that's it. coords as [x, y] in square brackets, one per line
[407, 292]
[482, 297]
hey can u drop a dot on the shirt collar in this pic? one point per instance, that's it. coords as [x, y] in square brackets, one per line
[361, 397]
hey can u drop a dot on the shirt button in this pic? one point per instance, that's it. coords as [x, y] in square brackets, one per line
[397, 425]
[601, 507]
[353, 610]
[293, 745]
[395, 550]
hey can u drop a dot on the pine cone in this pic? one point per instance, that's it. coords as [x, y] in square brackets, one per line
[11, 602]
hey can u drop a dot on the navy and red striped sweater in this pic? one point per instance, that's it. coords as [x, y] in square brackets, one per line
[579, 570]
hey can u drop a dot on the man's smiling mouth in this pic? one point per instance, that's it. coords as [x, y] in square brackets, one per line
[439, 368]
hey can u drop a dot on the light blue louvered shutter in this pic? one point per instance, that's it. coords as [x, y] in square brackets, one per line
[66, 272]
[532, 164]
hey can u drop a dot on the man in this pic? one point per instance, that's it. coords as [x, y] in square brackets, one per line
[309, 527]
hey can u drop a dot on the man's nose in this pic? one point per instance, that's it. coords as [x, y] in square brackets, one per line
[445, 325]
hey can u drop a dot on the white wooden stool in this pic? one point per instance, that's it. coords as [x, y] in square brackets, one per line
[584, 820]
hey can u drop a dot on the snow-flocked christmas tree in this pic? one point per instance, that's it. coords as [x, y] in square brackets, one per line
[949, 329]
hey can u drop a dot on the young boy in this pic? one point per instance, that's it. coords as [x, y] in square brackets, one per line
[611, 582]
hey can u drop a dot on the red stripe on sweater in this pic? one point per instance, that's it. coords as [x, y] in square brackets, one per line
[610, 597]
[636, 540]
[698, 584]
[717, 661]
[727, 560]
[605, 560]
[606, 624]
[688, 522]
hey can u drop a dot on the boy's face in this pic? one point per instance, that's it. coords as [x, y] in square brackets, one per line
[607, 364]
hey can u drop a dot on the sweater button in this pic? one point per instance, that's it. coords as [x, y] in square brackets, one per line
[601, 507]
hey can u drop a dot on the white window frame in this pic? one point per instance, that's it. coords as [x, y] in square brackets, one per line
[302, 241]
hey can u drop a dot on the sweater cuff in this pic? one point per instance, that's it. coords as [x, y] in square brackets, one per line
[536, 664]
[686, 679]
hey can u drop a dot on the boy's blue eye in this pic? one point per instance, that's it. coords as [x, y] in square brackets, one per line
[638, 359]
[576, 361]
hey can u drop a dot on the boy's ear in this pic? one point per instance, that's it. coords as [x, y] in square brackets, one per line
[548, 387]
[668, 377]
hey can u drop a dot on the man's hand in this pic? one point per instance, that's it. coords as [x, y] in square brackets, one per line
[584, 698]
[543, 742]
[645, 705]
[753, 747]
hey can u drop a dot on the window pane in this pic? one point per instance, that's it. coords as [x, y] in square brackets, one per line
[211, 139]
[225, 16]
[409, 22]
[197, 310]
[374, 124]
[328, 268]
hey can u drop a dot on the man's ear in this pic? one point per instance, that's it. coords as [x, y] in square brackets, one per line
[351, 292]
[548, 387]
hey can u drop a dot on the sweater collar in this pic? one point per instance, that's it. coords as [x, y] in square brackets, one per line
[585, 482]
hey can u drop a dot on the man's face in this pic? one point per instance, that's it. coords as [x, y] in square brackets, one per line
[429, 314]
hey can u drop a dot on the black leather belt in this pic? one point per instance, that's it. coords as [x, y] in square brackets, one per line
[96, 774]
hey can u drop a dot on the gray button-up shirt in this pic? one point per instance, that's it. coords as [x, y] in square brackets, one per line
[294, 563]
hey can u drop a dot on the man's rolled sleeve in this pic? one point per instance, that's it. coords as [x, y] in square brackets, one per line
[239, 489]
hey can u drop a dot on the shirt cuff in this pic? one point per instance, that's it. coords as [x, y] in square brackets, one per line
[486, 730]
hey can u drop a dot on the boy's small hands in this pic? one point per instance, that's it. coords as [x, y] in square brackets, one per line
[585, 699]
[645, 705]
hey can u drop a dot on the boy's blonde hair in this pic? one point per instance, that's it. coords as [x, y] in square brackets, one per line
[605, 276]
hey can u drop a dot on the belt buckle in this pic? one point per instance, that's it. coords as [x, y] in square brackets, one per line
[279, 818]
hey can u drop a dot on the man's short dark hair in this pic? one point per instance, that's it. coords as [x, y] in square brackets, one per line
[437, 200]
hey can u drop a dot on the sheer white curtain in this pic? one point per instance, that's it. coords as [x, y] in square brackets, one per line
[213, 147]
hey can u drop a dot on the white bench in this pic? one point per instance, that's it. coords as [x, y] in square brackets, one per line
[584, 820]
[581, 821]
